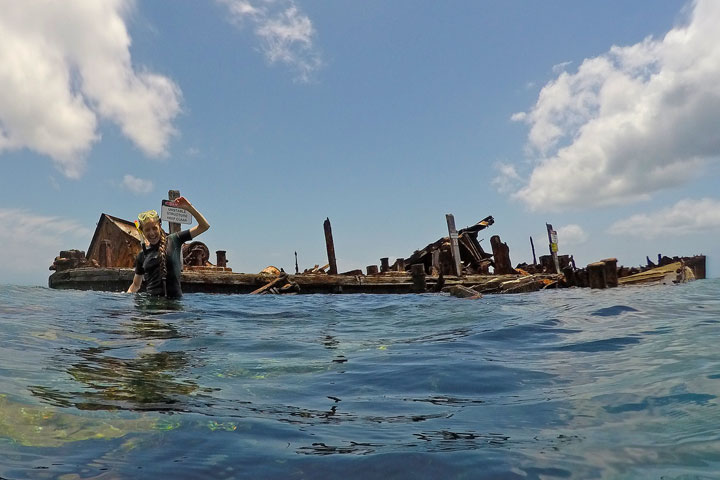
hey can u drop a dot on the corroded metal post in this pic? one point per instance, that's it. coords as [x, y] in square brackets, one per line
[501, 255]
[454, 245]
[552, 238]
[221, 258]
[418, 277]
[330, 247]
[172, 196]
[596, 275]
[611, 271]
[532, 245]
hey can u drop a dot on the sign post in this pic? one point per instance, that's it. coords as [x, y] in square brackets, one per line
[174, 215]
[172, 226]
[552, 237]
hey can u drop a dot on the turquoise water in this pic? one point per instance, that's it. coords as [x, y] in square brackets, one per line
[619, 384]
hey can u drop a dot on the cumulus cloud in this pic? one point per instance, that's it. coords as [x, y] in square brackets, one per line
[571, 235]
[286, 34]
[631, 122]
[686, 217]
[137, 185]
[31, 242]
[64, 66]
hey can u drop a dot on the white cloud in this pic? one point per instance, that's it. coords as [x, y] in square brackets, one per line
[286, 34]
[628, 123]
[137, 185]
[686, 217]
[571, 235]
[66, 65]
[560, 67]
[507, 180]
[30, 243]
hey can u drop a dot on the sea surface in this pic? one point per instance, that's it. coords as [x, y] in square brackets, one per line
[561, 384]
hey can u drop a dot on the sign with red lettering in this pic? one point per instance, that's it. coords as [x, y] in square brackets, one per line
[171, 213]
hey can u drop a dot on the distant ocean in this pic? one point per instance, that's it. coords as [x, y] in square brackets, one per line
[578, 383]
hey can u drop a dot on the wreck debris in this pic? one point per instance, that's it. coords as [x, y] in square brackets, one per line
[195, 254]
[71, 259]
[676, 272]
[461, 291]
[123, 246]
[332, 262]
[437, 256]
[417, 272]
[501, 254]
[456, 264]
[221, 258]
[611, 277]
[532, 246]
[281, 280]
[454, 246]
[596, 275]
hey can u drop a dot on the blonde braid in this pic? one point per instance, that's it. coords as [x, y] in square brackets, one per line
[163, 256]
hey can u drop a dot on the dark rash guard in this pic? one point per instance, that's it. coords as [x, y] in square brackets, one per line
[147, 264]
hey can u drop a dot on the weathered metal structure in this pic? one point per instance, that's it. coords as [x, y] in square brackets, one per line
[456, 264]
[115, 243]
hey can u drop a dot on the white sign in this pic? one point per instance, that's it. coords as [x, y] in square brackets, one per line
[170, 212]
[553, 237]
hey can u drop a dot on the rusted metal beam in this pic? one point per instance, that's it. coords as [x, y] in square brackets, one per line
[454, 245]
[332, 262]
[172, 196]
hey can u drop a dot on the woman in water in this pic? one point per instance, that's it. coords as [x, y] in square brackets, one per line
[159, 261]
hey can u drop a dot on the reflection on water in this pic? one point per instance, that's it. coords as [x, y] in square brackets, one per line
[132, 367]
[563, 384]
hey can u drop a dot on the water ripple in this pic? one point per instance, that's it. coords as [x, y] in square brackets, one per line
[620, 383]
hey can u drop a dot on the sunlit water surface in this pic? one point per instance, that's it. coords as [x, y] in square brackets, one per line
[622, 383]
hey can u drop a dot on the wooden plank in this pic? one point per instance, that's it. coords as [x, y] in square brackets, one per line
[279, 281]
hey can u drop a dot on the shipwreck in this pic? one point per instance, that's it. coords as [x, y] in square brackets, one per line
[455, 263]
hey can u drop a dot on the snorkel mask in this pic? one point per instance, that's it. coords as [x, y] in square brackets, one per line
[144, 217]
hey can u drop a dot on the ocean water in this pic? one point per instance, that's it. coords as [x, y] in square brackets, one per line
[614, 384]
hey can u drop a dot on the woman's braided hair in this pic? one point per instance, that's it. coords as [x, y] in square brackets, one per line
[163, 257]
[152, 215]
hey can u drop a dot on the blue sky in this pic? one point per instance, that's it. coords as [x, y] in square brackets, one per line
[600, 118]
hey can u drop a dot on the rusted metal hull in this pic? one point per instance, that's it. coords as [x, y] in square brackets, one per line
[118, 280]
